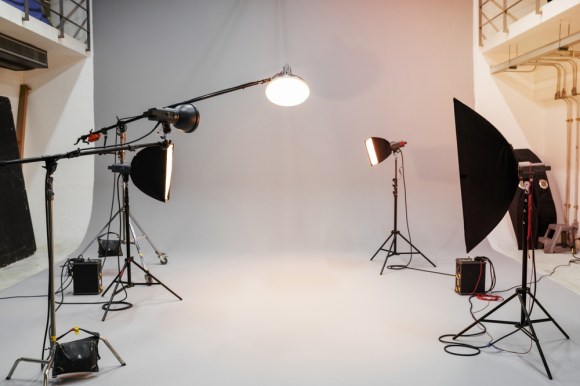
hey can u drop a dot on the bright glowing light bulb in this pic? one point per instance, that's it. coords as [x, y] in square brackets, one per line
[286, 89]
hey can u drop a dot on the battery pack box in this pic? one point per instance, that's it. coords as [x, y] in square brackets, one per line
[469, 276]
[87, 277]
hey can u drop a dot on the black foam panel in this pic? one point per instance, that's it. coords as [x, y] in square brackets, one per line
[16, 232]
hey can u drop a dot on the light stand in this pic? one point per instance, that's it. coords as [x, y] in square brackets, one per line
[51, 163]
[395, 233]
[50, 166]
[378, 150]
[124, 170]
[526, 323]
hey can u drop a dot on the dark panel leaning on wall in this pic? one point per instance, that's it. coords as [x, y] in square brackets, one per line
[16, 233]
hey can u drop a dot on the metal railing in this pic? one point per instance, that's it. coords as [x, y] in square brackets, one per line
[497, 15]
[70, 17]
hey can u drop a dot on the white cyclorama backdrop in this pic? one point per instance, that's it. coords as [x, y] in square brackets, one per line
[256, 177]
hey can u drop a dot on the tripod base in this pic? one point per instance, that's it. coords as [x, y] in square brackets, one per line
[48, 363]
[118, 281]
[392, 250]
[525, 325]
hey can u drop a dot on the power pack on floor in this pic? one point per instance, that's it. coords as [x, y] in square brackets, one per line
[469, 276]
[87, 277]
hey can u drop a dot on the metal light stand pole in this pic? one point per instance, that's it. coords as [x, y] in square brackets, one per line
[51, 163]
[50, 166]
[526, 172]
[392, 250]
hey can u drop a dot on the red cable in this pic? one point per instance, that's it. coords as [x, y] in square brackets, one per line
[489, 298]
[530, 206]
[478, 279]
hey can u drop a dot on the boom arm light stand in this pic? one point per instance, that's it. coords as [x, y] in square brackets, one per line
[284, 89]
[51, 163]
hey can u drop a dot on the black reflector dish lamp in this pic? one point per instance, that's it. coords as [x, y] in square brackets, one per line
[378, 150]
[188, 118]
[151, 170]
[184, 117]
[286, 89]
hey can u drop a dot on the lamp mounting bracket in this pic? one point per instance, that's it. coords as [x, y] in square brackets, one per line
[527, 170]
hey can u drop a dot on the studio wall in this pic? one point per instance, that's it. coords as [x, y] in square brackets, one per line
[258, 178]
[60, 108]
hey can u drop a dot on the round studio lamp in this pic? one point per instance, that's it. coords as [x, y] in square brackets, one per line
[286, 89]
[151, 171]
[378, 149]
[188, 118]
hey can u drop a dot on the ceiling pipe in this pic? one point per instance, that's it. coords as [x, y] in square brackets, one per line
[574, 70]
[561, 73]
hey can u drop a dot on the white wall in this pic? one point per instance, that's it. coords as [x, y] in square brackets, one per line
[257, 177]
[60, 109]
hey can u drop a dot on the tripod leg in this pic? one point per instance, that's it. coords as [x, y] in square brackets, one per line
[548, 314]
[17, 362]
[505, 336]
[162, 255]
[157, 280]
[50, 361]
[532, 334]
[415, 248]
[389, 254]
[138, 247]
[117, 282]
[382, 245]
[482, 319]
[116, 279]
[121, 361]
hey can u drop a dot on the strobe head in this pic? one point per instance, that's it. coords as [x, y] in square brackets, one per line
[184, 117]
[188, 118]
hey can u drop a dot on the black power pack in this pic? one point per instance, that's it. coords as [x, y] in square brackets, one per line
[87, 277]
[470, 276]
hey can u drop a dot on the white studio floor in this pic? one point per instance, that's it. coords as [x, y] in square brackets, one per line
[307, 319]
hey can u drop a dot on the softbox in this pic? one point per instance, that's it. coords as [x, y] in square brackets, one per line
[488, 174]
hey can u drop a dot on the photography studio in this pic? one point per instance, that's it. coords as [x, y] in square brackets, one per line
[289, 192]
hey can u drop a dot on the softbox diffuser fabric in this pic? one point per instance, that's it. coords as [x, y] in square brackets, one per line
[488, 174]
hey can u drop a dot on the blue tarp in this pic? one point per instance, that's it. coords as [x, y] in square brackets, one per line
[35, 9]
